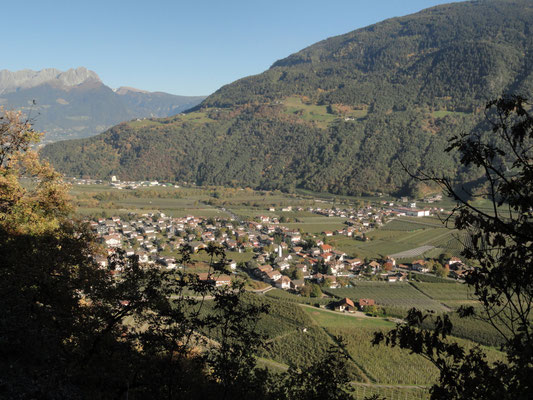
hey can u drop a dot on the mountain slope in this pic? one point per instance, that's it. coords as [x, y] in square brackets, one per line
[75, 103]
[338, 115]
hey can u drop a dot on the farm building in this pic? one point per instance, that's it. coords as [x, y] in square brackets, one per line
[366, 302]
[345, 305]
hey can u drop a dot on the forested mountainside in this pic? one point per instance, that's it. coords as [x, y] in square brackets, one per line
[77, 104]
[338, 115]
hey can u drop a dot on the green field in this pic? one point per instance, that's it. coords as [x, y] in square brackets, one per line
[177, 202]
[384, 365]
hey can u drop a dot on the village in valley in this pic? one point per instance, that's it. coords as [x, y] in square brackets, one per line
[266, 253]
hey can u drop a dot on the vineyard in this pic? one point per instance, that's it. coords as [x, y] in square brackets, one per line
[472, 329]
[397, 294]
[386, 365]
[301, 335]
[298, 348]
[283, 316]
[453, 243]
[452, 294]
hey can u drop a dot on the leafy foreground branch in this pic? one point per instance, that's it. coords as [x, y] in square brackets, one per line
[502, 250]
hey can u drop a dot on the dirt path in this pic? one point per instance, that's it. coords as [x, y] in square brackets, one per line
[273, 364]
[260, 291]
[357, 314]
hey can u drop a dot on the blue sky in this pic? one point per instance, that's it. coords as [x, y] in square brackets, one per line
[187, 48]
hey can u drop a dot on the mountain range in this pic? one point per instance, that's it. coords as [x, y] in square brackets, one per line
[339, 115]
[77, 104]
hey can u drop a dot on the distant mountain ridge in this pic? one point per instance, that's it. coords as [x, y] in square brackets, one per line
[13, 81]
[76, 103]
[339, 115]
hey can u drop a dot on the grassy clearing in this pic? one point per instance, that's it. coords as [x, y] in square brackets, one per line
[143, 123]
[379, 364]
[309, 112]
[353, 247]
[198, 117]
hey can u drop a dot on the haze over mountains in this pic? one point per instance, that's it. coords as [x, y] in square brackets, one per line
[77, 104]
[338, 115]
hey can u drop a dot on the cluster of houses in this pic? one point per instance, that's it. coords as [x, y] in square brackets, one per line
[277, 250]
[457, 268]
[373, 216]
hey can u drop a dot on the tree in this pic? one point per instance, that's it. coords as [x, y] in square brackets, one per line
[444, 257]
[315, 290]
[305, 290]
[42, 206]
[234, 360]
[441, 271]
[501, 244]
[327, 283]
